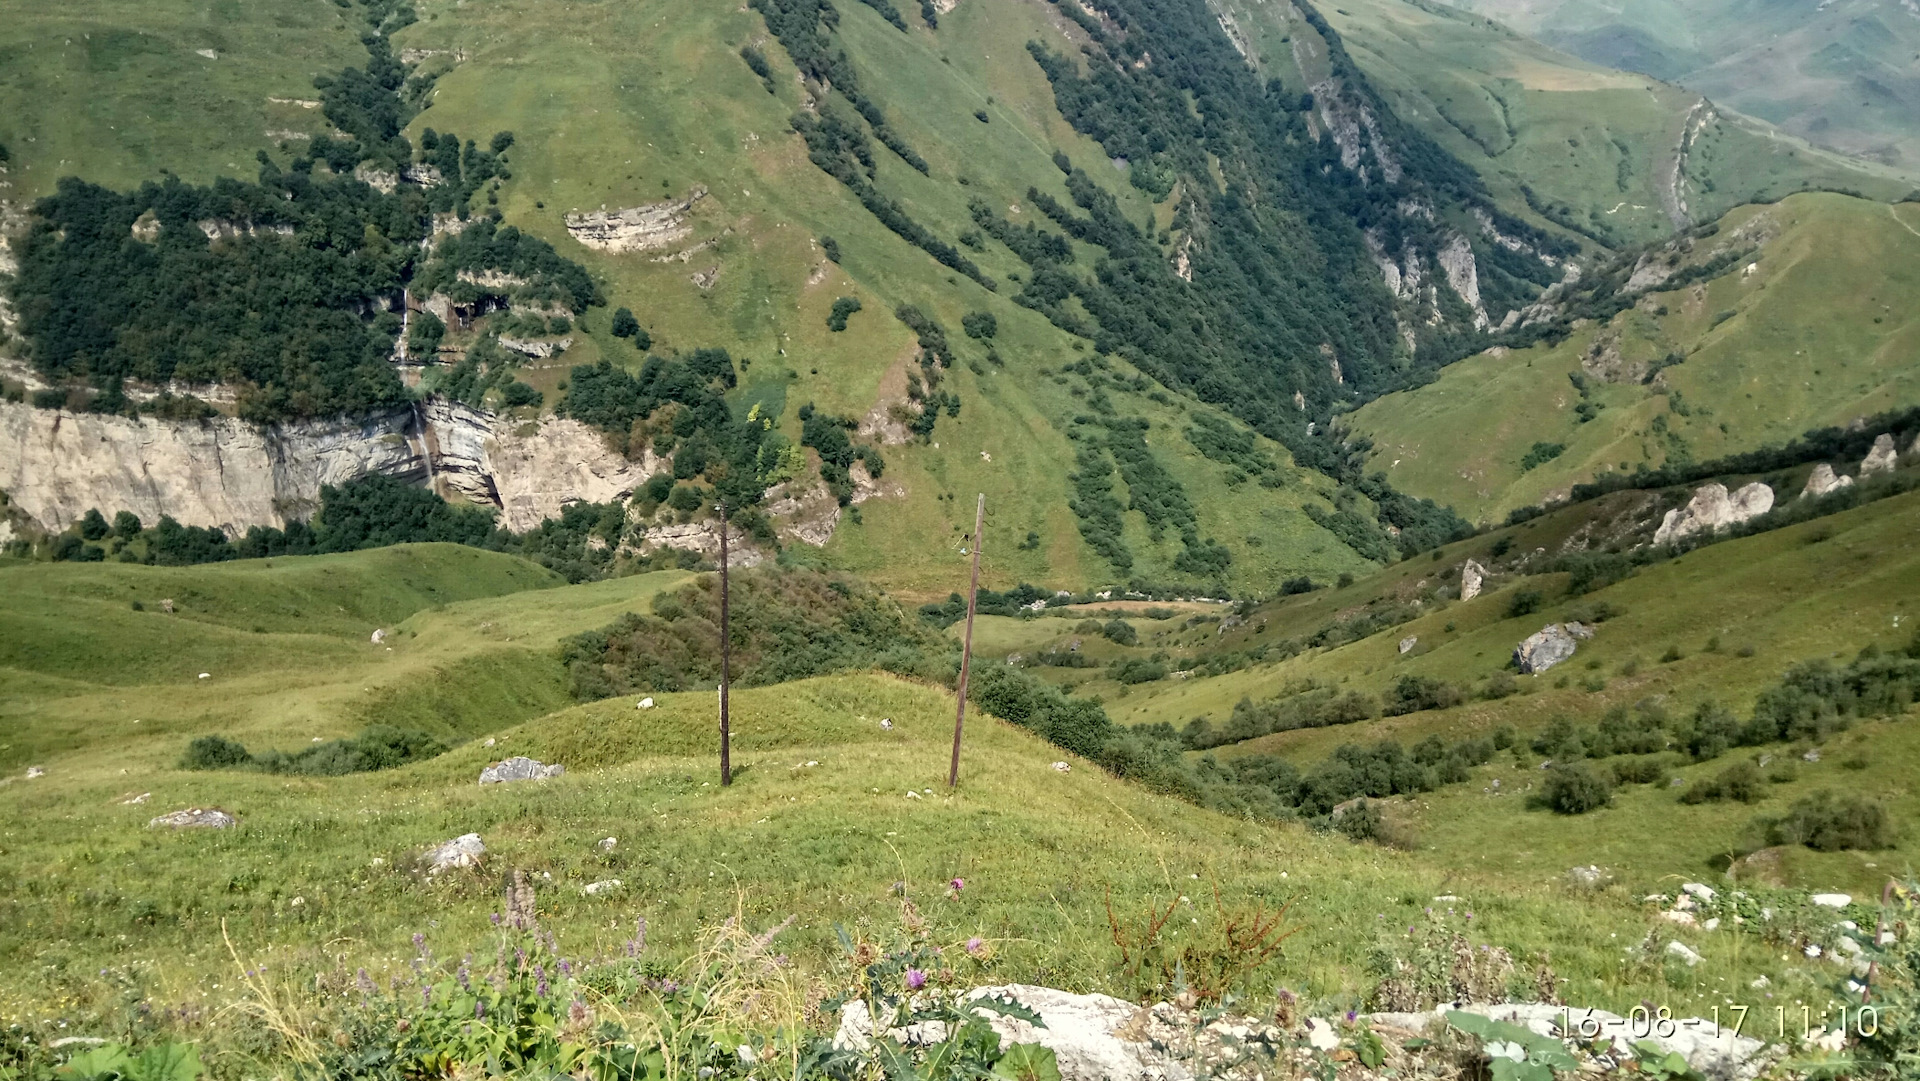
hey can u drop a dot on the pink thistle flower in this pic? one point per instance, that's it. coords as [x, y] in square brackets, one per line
[976, 945]
[916, 979]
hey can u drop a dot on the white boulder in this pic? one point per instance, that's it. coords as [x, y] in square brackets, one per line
[193, 818]
[463, 851]
[1831, 900]
[1823, 480]
[1543, 650]
[1472, 574]
[1881, 459]
[1407, 643]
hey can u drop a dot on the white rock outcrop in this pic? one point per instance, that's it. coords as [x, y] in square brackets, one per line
[1713, 509]
[1881, 459]
[519, 768]
[1472, 576]
[639, 228]
[230, 474]
[1823, 480]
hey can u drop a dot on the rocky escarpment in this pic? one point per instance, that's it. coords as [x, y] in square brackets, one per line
[56, 465]
[639, 228]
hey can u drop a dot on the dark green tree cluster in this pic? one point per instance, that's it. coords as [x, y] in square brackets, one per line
[888, 12]
[529, 270]
[829, 435]
[843, 309]
[1098, 511]
[681, 403]
[986, 602]
[786, 624]
[1308, 707]
[373, 103]
[936, 355]
[486, 367]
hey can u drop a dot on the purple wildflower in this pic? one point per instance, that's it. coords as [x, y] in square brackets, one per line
[364, 982]
[1352, 1015]
[975, 945]
[426, 996]
[479, 1010]
[495, 917]
[916, 979]
[566, 967]
[541, 980]
[420, 943]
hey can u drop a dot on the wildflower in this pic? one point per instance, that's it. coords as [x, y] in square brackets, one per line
[566, 967]
[466, 982]
[420, 943]
[479, 1010]
[916, 979]
[1352, 1016]
[495, 917]
[541, 976]
[364, 983]
[976, 946]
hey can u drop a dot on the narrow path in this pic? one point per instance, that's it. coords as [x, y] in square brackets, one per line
[1893, 210]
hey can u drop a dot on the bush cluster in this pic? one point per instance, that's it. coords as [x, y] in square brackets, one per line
[376, 747]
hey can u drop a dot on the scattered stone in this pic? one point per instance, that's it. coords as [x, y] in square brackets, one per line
[1712, 1050]
[1543, 650]
[605, 845]
[1409, 642]
[1831, 900]
[1588, 877]
[1320, 1035]
[1062, 767]
[463, 851]
[1811, 756]
[1680, 950]
[519, 768]
[1712, 924]
[132, 801]
[1881, 459]
[1674, 915]
[646, 703]
[1760, 983]
[1712, 509]
[489, 742]
[167, 606]
[911, 794]
[886, 724]
[1822, 480]
[194, 818]
[379, 635]
[35, 771]
[206, 675]
[1472, 574]
[1579, 630]
[606, 885]
[1700, 890]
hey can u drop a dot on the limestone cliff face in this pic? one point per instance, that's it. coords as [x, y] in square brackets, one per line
[56, 465]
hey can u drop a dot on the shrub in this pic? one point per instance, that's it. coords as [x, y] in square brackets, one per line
[1291, 586]
[1361, 822]
[215, 752]
[842, 308]
[1826, 822]
[1640, 769]
[1119, 632]
[1500, 685]
[1135, 670]
[1540, 454]
[624, 324]
[981, 326]
[1740, 781]
[1575, 788]
[1524, 602]
[831, 247]
[1411, 694]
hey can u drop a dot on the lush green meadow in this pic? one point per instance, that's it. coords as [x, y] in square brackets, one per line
[323, 874]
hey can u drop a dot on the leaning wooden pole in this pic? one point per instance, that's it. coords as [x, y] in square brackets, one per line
[966, 650]
[726, 656]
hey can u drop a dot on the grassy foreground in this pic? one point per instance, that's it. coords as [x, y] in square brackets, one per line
[322, 874]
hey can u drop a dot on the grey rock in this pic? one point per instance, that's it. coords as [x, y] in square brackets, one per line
[463, 851]
[1084, 1032]
[519, 768]
[1823, 480]
[1578, 630]
[1472, 575]
[1589, 877]
[1542, 651]
[1881, 459]
[607, 885]
[194, 818]
[605, 845]
[1408, 643]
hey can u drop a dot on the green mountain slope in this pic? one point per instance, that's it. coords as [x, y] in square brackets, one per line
[1618, 158]
[1813, 324]
[1840, 73]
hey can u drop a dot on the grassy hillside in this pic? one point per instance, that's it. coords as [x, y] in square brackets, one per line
[1814, 328]
[1841, 74]
[1595, 145]
[321, 873]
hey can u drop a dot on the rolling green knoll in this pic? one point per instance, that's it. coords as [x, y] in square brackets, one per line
[1820, 330]
[1596, 140]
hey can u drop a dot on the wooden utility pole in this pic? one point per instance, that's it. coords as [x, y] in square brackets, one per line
[726, 655]
[966, 651]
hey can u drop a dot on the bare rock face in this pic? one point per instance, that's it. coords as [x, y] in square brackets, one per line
[519, 768]
[193, 818]
[1472, 576]
[1881, 459]
[230, 474]
[1823, 480]
[639, 228]
[1456, 260]
[1543, 650]
[1712, 508]
[1407, 643]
